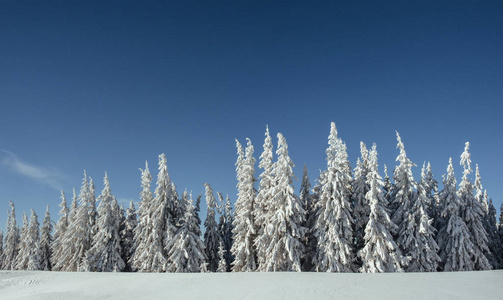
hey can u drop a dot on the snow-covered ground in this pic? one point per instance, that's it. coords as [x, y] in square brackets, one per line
[62, 285]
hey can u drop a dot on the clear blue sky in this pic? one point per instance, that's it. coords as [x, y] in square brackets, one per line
[106, 85]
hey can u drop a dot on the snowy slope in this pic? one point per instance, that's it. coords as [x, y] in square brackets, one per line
[62, 285]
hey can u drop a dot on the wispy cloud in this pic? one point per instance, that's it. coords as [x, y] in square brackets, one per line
[46, 176]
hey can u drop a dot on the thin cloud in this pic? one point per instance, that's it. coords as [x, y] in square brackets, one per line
[42, 175]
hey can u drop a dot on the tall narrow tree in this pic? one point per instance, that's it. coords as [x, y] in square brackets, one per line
[380, 253]
[11, 240]
[23, 253]
[46, 242]
[59, 233]
[333, 227]
[212, 237]
[244, 229]
[473, 213]
[361, 209]
[127, 236]
[32, 244]
[309, 239]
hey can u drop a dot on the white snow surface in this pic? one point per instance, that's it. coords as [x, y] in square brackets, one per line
[65, 285]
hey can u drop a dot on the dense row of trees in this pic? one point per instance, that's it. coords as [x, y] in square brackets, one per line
[350, 221]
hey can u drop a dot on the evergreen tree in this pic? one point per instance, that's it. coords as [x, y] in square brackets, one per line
[403, 192]
[453, 238]
[431, 188]
[186, 248]
[243, 231]
[495, 243]
[73, 207]
[309, 239]
[211, 235]
[46, 242]
[127, 236]
[105, 253]
[222, 263]
[59, 233]
[474, 213]
[380, 253]
[11, 241]
[197, 209]
[23, 252]
[387, 187]
[92, 207]
[225, 229]
[417, 239]
[333, 227]
[1, 248]
[283, 234]
[77, 238]
[361, 209]
[33, 244]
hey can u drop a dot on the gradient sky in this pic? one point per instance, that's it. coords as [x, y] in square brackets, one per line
[106, 85]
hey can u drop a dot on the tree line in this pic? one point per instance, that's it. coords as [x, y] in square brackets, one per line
[352, 220]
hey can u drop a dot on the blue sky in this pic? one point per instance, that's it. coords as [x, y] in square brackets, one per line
[106, 85]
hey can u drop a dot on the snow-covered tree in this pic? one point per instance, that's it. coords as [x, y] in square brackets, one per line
[73, 207]
[186, 248]
[225, 229]
[403, 191]
[431, 188]
[387, 187]
[105, 253]
[243, 231]
[380, 253]
[23, 253]
[32, 243]
[453, 238]
[46, 242]
[417, 237]
[495, 243]
[92, 207]
[222, 263]
[212, 237]
[11, 240]
[474, 213]
[127, 235]
[361, 207]
[333, 227]
[309, 238]
[59, 233]
[77, 239]
[1, 248]
[283, 232]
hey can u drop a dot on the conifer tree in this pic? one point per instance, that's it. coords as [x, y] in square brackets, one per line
[222, 263]
[387, 187]
[495, 243]
[403, 192]
[105, 253]
[453, 238]
[186, 248]
[212, 237]
[243, 231]
[380, 253]
[431, 188]
[225, 229]
[473, 212]
[92, 207]
[333, 227]
[46, 242]
[1, 248]
[59, 233]
[77, 239]
[417, 239]
[11, 241]
[309, 239]
[33, 249]
[361, 209]
[23, 253]
[127, 236]
[283, 232]
[197, 209]
[73, 207]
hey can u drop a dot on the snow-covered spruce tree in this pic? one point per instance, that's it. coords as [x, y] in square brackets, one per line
[23, 252]
[59, 233]
[197, 209]
[212, 237]
[387, 186]
[403, 192]
[46, 242]
[243, 232]
[309, 238]
[11, 240]
[77, 239]
[495, 243]
[186, 248]
[380, 253]
[73, 207]
[32, 244]
[143, 231]
[333, 227]
[105, 253]
[473, 213]
[127, 236]
[1, 248]
[417, 238]
[361, 207]
[453, 238]
[283, 228]
[431, 188]
[225, 229]
[222, 263]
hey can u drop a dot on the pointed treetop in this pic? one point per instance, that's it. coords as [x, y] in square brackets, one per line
[385, 171]
[466, 159]
[333, 130]
[478, 179]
